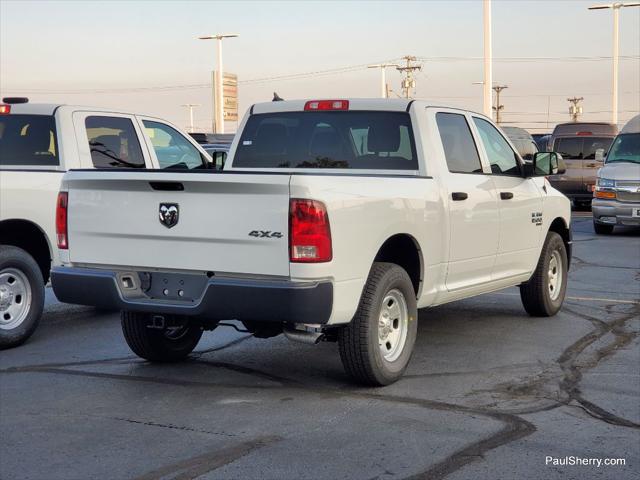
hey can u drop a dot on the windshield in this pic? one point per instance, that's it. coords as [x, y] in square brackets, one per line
[346, 140]
[625, 148]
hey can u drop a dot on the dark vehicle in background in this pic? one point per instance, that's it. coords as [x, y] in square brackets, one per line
[579, 143]
[212, 138]
[523, 141]
[616, 200]
[218, 153]
[542, 140]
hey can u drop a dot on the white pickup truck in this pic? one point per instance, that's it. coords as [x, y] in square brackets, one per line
[38, 143]
[332, 219]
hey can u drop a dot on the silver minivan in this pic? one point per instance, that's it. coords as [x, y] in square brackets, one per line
[578, 143]
[616, 200]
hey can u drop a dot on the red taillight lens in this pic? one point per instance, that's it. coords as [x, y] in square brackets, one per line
[309, 232]
[61, 220]
[326, 105]
[5, 109]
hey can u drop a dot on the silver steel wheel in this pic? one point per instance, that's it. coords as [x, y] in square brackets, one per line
[393, 325]
[555, 275]
[15, 298]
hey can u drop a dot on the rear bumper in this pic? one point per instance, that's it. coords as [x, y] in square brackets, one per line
[214, 298]
[613, 212]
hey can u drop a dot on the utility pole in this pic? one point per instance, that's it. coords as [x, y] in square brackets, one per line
[499, 106]
[616, 29]
[384, 88]
[408, 82]
[575, 109]
[487, 99]
[218, 105]
[191, 106]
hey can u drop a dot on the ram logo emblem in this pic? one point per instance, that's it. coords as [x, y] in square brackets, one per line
[169, 214]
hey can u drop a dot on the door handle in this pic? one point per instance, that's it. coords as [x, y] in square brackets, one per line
[506, 195]
[459, 196]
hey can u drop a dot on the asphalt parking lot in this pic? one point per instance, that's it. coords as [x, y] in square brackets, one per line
[490, 394]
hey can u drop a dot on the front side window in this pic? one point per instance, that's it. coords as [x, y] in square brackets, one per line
[459, 148]
[502, 158]
[172, 149]
[349, 140]
[28, 140]
[113, 143]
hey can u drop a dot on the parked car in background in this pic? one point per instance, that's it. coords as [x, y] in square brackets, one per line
[523, 141]
[542, 140]
[334, 219]
[212, 138]
[616, 200]
[578, 143]
[38, 144]
[218, 153]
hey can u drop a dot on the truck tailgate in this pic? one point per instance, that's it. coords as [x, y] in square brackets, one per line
[226, 223]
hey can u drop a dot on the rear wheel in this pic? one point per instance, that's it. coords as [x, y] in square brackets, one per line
[169, 344]
[376, 346]
[21, 296]
[602, 229]
[543, 294]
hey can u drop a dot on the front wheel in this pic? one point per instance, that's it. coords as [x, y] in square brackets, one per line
[543, 294]
[21, 296]
[169, 344]
[376, 346]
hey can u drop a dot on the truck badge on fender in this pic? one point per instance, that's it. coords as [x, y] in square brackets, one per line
[169, 214]
[536, 218]
[265, 234]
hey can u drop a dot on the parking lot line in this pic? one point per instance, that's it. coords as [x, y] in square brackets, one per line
[586, 299]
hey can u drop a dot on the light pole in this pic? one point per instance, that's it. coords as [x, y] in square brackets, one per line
[383, 76]
[191, 106]
[616, 20]
[498, 107]
[218, 107]
[575, 110]
[488, 72]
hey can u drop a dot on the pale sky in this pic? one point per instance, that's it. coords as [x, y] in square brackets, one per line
[79, 52]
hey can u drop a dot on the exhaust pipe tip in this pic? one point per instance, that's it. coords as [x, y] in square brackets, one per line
[304, 336]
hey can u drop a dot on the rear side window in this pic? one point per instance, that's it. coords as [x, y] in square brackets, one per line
[459, 148]
[349, 140]
[570, 148]
[172, 149]
[28, 140]
[113, 143]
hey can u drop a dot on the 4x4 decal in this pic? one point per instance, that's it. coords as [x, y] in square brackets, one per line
[265, 234]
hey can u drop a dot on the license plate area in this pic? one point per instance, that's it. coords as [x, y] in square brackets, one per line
[174, 287]
[635, 212]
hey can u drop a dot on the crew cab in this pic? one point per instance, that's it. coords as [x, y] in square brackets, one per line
[38, 143]
[332, 219]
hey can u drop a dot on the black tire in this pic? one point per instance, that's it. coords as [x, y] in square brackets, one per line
[157, 345]
[536, 294]
[359, 342]
[14, 259]
[602, 229]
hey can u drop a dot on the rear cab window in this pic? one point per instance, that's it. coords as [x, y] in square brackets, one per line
[362, 140]
[28, 140]
[113, 142]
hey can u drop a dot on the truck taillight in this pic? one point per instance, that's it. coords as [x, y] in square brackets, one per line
[309, 232]
[61, 220]
[5, 109]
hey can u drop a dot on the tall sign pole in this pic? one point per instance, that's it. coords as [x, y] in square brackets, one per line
[488, 74]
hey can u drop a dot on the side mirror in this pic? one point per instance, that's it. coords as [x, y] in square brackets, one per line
[547, 163]
[599, 155]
